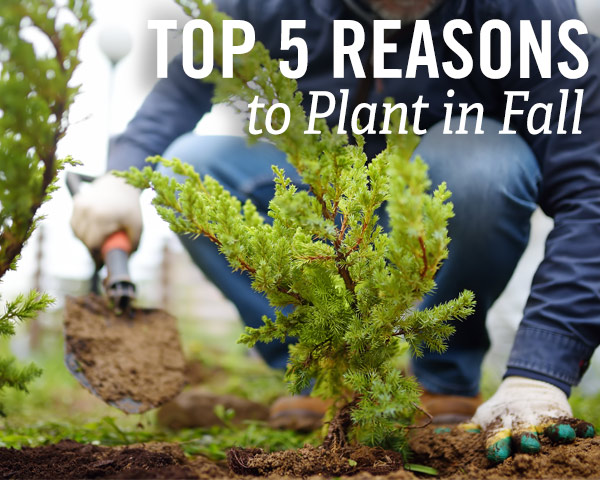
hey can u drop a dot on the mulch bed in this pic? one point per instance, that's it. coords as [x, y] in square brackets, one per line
[456, 454]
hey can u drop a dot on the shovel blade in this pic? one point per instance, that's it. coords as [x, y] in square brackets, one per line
[132, 362]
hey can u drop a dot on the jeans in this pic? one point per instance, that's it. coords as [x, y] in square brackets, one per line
[494, 183]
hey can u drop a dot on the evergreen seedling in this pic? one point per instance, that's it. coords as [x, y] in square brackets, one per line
[34, 100]
[354, 284]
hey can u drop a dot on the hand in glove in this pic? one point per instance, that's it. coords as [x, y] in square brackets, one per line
[107, 206]
[521, 409]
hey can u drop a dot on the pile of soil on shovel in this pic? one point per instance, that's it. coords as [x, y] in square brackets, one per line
[456, 455]
[133, 360]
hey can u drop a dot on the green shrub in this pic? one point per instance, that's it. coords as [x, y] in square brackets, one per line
[353, 286]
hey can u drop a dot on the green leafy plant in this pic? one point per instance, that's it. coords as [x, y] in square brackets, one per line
[34, 100]
[353, 284]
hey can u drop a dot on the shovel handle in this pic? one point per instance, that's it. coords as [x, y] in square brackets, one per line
[118, 285]
[118, 240]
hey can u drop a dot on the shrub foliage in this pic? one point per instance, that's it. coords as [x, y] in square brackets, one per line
[353, 284]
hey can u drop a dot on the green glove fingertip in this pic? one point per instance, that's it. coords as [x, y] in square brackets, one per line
[560, 433]
[499, 451]
[585, 430]
[499, 446]
[526, 442]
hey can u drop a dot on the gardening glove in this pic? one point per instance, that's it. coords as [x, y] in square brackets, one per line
[107, 206]
[521, 409]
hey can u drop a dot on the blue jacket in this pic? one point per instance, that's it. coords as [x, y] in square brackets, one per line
[561, 324]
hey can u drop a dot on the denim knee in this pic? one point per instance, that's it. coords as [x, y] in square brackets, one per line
[242, 170]
[203, 152]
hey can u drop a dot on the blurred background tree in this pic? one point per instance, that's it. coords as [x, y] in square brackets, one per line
[35, 96]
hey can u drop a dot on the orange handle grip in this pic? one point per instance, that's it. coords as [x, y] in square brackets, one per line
[118, 240]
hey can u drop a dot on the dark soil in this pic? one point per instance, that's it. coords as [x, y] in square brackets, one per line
[456, 455]
[69, 459]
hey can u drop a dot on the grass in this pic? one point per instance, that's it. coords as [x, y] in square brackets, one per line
[210, 442]
[586, 407]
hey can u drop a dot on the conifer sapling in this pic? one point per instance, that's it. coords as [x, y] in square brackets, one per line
[354, 283]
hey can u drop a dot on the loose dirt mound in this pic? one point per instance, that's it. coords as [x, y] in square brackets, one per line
[461, 455]
[69, 459]
[310, 460]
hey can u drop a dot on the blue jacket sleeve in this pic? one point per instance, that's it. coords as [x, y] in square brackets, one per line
[173, 107]
[561, 324]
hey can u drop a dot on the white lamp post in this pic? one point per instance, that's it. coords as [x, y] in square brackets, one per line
[115, 43]
[589, 11]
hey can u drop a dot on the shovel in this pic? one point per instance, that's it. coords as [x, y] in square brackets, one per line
[129, 357]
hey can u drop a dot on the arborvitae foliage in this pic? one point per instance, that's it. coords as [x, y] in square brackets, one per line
[354, 286]
[34, 101]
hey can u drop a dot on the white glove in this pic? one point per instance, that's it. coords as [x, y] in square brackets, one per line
[107, 206]
[521, 402]
[519, 410]
[589, 11]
